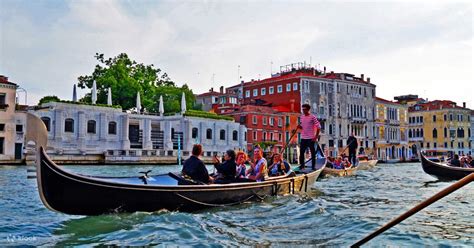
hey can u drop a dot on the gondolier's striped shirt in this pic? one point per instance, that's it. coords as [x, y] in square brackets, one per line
[309, 123]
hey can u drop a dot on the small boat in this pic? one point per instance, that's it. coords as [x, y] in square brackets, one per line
[339, 172]
[365, 163]
[78, 194]
[443, 171]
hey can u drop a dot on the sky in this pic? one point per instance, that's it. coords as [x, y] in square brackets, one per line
[405, 47]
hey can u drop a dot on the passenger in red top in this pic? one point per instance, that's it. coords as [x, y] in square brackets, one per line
[310, 128]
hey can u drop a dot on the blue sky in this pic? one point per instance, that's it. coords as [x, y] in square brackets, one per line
[406, 47]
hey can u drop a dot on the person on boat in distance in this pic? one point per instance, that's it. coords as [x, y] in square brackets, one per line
[346, 163]
[352, 143]
[310, 128]
[258, 167]
[338, 163]
[194, 168]
[455, 161]
[279, 166]
[226, 170]
[470, 161]
[241, 168]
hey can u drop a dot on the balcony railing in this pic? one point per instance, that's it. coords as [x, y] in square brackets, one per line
[3, 106]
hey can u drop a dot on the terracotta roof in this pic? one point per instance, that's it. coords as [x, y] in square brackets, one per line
[436, 104]
[386, 101]
[210, 93]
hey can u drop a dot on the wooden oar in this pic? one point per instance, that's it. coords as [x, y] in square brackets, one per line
[282, 150]
[467, 179]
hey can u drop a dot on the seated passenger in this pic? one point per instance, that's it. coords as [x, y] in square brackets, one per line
[226, 170]
[455, 161]
[258, 167]
[279, 166]
[346, 163]
[194, 168]
[470, 161]
[338, 163]
[241, 168]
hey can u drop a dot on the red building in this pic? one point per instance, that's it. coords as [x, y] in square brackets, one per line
[266, 126]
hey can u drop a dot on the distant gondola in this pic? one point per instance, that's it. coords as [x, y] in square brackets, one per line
[72, 193]
[443, 171]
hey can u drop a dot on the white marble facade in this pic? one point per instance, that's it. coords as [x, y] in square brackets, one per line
[85, 129]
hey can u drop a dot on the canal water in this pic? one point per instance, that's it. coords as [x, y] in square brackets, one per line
[337, 212]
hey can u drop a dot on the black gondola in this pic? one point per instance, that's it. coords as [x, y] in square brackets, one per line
[442, 171]
[72, 193]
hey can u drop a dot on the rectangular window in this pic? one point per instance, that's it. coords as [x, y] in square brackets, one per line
[19, 128]
[3, 101]
[247, 93]
[263, 91]
[264, 136]
[271, 121]
[271, 136]
[2, 127]
[280, 122]
[271, 90]
[2, 141]
[255, 92]
[288, 87]
[254, 135]
[279, 137]
[264, 120]
[279, 88]
[295, 86]
[254, 119]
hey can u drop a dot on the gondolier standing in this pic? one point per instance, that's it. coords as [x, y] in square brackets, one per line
[352, 143]
[310, 128]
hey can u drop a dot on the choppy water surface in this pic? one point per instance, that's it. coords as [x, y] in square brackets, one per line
[338, 212]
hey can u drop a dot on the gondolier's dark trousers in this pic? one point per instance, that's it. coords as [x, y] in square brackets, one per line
[352, 156]
[305, 144]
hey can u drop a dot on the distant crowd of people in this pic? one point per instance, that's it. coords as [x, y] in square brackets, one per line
[463, 162]
[234, 167]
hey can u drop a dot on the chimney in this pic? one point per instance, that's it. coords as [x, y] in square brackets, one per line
[325, 70]
[362, 77]
[212, 89]
[464, 104]
[368, 80]
[332, 72]
[221, 89]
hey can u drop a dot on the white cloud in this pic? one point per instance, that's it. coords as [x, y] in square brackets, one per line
[405, 47]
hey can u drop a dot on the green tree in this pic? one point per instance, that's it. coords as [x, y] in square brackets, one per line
[46, 99]
[126, 77]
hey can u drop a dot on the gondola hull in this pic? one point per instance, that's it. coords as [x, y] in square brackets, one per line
[442, 171]
[84, 195]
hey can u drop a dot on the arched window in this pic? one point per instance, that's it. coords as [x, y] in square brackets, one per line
[222, 134]
[421, 132]
[91, 126]
[112, 127]
[409, 133]
[435, 133]
[47, 122]
[209, 133]
[434, 118]
[235, 135]
[445, 132]
[194, 133]
[69, 125]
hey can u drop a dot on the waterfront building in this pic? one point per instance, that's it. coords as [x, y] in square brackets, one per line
[90, 134]
[342, 102]
[440, 125]
[12, 124]
[212, 100]
[391, 130]
[471, 138]
[266, 126]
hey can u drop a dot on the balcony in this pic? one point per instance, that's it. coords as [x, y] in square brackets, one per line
[393, 122]
[357, 119]
[3, 106]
